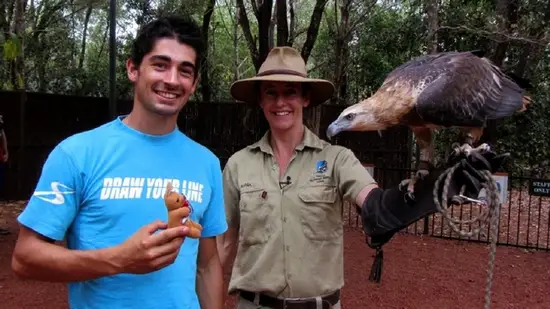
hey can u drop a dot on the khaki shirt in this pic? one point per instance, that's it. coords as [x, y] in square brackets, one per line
[290, 240]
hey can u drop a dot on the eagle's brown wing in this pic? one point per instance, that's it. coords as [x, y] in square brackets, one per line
[458, 89]
[408, 70]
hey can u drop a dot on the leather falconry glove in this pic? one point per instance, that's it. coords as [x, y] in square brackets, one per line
[385, 212]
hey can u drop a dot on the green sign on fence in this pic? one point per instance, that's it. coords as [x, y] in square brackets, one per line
[539, 187]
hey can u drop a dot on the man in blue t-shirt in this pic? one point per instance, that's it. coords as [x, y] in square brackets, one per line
[102, 190]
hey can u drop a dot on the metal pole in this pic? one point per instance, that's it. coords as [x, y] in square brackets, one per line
[112, 60]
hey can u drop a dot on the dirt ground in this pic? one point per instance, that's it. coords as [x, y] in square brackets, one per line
[419, 272]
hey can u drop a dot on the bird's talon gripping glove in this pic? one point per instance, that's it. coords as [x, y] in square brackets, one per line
[385, 212]
[468, 173]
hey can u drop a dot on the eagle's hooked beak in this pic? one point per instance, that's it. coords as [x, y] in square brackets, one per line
[343, 123]
[333, 129]
[339, 125]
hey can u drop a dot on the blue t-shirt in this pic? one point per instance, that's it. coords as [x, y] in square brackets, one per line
[99, 187]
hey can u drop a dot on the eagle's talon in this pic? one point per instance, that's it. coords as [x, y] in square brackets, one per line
[407, 185]
[456, 150]
[421, 174]
[409, 197]
[466, 149]
[483, 148]
[403, 185]
[457, 200]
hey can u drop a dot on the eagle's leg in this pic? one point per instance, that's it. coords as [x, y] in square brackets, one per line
[467, 149]
[470, 136]
[424, 141]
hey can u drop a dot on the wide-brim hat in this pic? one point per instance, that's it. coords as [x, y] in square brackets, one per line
[284, 64]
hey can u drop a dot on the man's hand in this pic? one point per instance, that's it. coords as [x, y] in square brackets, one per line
[147, 251]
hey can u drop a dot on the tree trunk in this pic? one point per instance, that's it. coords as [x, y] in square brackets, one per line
[432, 25]
[532, 52]
[84, 35]
[236, 74]
[272, 25]
[507, 14]
[9, 15]
[313, 28]
[263, 16]
[205, 81]
[292, 28]
[264, 19]
[282, 24]
[17, 68]
[341, 54]
[4, 26]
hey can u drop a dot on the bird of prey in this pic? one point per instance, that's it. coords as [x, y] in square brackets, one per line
[434, 91]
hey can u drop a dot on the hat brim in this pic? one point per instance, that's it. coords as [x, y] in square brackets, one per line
[321, 90]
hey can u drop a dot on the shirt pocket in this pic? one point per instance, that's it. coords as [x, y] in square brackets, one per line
[255, 224]
[320, 215]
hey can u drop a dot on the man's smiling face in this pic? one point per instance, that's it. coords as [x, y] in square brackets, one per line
[166, 77]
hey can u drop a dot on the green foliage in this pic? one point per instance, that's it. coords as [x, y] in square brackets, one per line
[11, 48]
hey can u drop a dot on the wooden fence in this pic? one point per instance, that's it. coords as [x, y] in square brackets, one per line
[36, 122]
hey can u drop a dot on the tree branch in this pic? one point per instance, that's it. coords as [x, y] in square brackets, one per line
[297, 33]
[242, 20]
[313, 29]
[493, 34]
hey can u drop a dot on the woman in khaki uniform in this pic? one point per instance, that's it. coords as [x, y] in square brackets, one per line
[284, 196]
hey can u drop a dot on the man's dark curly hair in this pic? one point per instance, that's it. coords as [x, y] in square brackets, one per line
[182, 28]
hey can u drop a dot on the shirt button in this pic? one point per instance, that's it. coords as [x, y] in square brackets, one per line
[287, 248]
[284, 219]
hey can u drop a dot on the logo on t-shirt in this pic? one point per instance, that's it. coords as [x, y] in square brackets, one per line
[57, 195]
[116, 188]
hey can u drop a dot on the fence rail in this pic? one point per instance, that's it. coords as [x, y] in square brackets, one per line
[524, 218]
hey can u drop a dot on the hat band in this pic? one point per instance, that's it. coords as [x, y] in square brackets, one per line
[281, 71]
